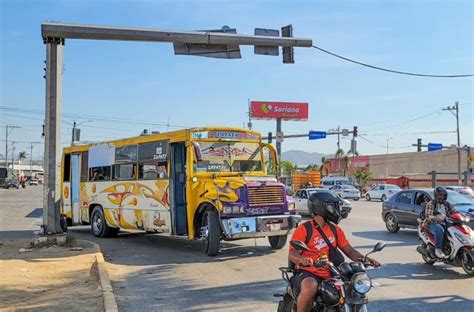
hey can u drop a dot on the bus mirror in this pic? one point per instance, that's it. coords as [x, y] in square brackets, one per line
[197, 152]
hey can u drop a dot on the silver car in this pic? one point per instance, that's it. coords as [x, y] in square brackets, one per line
[346, 191]
[382, 192]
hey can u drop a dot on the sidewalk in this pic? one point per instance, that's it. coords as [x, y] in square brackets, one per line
[50, 278]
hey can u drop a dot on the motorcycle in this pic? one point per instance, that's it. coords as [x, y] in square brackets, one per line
[458, 243]
[345, 291]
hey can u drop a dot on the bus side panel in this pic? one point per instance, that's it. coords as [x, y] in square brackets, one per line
[140, 205]
[66, 194]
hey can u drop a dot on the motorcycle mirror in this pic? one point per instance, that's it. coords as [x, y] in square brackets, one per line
[299, 245]
[378, 247]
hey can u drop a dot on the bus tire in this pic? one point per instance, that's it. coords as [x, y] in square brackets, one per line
[212, 232]
[277, 242]
[99, 225]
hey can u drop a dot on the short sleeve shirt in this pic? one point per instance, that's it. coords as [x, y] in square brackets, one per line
[318, 244]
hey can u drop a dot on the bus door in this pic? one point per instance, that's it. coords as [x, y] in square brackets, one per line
[75, 187]
[178, 188]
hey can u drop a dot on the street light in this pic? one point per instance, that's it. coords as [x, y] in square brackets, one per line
[387, 143]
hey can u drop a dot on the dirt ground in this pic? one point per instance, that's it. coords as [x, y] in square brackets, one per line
[48, 278]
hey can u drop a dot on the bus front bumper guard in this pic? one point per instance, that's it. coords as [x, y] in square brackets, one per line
[261, 226]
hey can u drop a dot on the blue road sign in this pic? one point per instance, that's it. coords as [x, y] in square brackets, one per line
[434, 147]
[314, 135]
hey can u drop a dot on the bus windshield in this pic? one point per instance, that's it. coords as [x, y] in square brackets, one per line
[229, 157]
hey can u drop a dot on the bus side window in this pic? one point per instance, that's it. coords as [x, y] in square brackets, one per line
[85, 166]
[124, 172]
[67, 168]
[100, 173]
[152, 170]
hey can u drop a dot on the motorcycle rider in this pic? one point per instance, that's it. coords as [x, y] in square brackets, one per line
[325, 210]
[436, 212]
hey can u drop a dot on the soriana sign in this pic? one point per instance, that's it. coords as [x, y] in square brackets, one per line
[283, 110]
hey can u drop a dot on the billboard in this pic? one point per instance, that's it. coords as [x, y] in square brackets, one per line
[333, 165]
[275, 110]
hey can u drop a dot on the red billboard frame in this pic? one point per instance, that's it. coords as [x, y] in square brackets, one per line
[279, 110]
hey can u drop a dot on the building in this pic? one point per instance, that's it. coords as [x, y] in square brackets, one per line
[416, 166]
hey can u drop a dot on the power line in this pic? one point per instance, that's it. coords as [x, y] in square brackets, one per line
[102, 118]
[380, 145]
[405, 122]
[391, 70]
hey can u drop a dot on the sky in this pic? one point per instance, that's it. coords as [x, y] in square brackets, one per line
[146, 82]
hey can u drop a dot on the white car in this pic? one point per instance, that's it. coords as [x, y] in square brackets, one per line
[463, 190]
[328, 182]
[382, 192]
[33, 182]
[302, 195]
[346, 191]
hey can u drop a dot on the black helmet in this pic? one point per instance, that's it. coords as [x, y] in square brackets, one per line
[326, 205]
[440, 191]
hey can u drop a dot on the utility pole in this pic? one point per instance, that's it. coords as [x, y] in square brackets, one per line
[13, 154]
[455, 108]
[249, 124]
[7, 133]
[31, 158]
[278, 144]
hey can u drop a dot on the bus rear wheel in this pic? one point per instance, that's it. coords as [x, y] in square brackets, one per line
[99, 225]
[211, 232]
[277, 242]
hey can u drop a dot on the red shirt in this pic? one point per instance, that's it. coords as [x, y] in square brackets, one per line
[317, 244]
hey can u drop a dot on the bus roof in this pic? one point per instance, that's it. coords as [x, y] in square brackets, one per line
[173, 136]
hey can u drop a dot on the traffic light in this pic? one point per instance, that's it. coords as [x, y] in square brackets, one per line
[288, 52]
[418, 145]
[269, 138]
[354, 132]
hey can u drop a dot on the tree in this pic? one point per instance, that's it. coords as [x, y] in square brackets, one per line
[312, 167]
[288, 167]
[22, 156]
[347, 164]
[362, 176]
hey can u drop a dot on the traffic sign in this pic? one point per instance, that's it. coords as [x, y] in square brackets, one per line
[434, 147]
[345, 132]
[315, 135]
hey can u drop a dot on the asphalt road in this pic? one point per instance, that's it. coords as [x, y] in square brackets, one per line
[153, 273]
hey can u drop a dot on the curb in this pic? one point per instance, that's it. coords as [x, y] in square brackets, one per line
[110, 305]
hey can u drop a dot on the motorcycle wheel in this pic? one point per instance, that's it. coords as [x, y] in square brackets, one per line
[467, 263]
[287, 304]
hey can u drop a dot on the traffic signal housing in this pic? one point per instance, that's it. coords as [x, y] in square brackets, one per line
[269, 138]
[354, 132]
[418, 145]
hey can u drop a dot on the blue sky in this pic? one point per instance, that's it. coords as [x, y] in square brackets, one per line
[145, 81]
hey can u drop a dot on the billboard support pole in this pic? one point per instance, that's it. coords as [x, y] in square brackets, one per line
[278, 145]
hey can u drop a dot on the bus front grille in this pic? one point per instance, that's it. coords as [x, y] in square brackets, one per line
[266, 195]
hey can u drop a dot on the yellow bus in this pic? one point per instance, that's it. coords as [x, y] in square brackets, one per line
[209, 183]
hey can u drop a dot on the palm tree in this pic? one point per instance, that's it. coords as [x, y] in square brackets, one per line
[347, 163]
[288, 167]
[22, 156]
[339, 154]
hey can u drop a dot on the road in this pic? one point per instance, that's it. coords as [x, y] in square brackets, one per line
[154, 273]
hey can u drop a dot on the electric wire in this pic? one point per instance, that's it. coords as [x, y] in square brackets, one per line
[391, 70]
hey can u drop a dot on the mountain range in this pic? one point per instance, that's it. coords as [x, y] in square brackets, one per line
[302, 158]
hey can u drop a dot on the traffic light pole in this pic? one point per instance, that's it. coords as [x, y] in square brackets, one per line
[278, 144]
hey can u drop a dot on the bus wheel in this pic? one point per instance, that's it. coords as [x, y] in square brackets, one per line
[211, 232]
[99, 225]
[277, 242]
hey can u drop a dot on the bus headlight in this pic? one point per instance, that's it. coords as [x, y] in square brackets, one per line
[361, 283]
[291, 206]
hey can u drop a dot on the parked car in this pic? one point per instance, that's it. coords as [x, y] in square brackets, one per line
[302, 195]
[32, 182]
[10, 183]
[463, 190]
[382, 192]
[346, 191]
[404, 208]
[328, 182]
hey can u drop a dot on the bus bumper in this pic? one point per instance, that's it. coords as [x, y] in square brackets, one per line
[261, 226]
